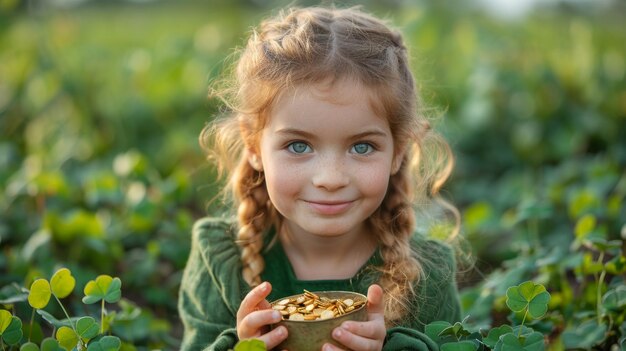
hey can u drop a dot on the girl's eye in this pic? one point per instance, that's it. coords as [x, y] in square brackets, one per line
[362, 148]
[298, 147]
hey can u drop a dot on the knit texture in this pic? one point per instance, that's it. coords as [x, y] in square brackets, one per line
[213, 287]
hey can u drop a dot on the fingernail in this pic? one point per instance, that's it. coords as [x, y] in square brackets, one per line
[346, 325]
[337, 333]
[327, 348]
[263, 286]
[276, 316]
[281, 331]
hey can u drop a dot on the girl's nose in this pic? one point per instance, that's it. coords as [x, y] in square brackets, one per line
[330, 174]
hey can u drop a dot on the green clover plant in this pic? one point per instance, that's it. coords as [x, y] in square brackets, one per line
[528, 298]
[77, 333]
[103, 288]
[10, 329]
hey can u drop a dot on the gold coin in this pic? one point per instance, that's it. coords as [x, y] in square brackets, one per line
[310, 306]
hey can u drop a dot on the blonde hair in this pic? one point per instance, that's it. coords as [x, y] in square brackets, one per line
[309, 46]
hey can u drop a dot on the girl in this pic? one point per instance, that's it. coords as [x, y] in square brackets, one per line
[330, 156]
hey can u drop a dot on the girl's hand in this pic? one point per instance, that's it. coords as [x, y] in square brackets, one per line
[368, 335]
[255, 315]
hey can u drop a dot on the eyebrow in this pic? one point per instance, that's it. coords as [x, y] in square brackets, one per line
[374, 132]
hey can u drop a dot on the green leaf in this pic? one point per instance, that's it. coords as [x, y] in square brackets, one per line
[539, 305]
[464, 345]
[29, 346]
[56, 322]
[494, 335]
[106, 343]
[528, 296]
[13, 293]
[39, 294]
[250, 345]
[457, 330]
[87, 327]
[617, 265]
[12, 334]
[531, 342]
[67, 338]
[584, 336]
[603, 245]
[62, 283]
[5, 320]
[104, 287]
[585, 225]
[434, 329]
[589, 265]
[615, 299]
[51, 344]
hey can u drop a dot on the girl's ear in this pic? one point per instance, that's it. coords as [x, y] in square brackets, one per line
[396, 163]
[255, 161]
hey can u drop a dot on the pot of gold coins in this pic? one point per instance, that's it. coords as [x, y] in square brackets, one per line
[311, 317]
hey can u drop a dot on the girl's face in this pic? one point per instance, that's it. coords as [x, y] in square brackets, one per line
[327, 159]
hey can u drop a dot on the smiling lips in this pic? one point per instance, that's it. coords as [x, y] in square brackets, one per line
[330, 208]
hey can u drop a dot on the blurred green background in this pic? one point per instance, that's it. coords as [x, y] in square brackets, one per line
[101, 104]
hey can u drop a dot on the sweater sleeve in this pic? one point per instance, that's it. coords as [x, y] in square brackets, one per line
[405, 339]
[211, 288]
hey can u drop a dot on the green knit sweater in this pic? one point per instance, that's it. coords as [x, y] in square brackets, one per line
[212, 289]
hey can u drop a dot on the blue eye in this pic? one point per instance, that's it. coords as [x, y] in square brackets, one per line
[362, 148]
[298, 147]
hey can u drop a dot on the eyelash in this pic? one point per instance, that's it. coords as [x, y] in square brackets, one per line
[371, 147]
[291, 149]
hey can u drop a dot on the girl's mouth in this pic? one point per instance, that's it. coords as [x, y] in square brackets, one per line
[330, 208]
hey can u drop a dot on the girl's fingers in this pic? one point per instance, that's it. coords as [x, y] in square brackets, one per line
[254, 300]
[256, 322]
[368, 335]
[375, 305]
[274, 337]
[356, 342]
[330, 347]
[370, 330]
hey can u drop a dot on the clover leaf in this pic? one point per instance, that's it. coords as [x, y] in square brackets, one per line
[50, 344]
[530, 297]
[10, 327]
[67, 338]
[86, 327]
[615, 299]
[465, 345]
[530, 342]
[5, 320]
[106, 343]
[250, 345]
[62, 283]
[29, 346]
[39, 294]
[103, 288]
[434, 329]
[494, 335]
[617, 265]
[457, 331]
[585, 335]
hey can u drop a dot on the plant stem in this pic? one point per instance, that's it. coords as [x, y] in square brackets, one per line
[66, 314]
[599, 288]
[32, 319]
[102, 318]
[519, 332]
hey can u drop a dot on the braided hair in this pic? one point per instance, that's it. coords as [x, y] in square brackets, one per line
[304, 46]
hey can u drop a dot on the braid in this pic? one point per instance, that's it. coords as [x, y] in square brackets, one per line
[253, 215]
[307, 46]
[394, 222]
